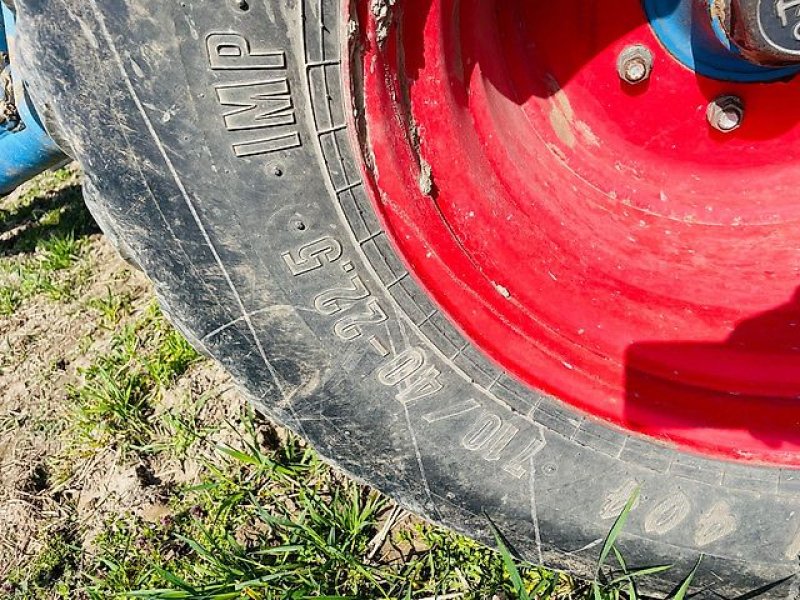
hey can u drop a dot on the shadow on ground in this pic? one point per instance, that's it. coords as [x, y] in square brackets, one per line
[57, 213]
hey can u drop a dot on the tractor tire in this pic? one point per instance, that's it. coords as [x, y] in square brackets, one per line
[267, 253]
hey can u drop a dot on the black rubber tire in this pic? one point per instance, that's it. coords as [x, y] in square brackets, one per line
[241, 241]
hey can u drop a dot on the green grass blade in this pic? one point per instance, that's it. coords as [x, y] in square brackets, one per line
[279, 550]
[162, 595]
[509, 562]
[620, 560]
[175, 580]
[596, 593]
[632, 593]
[615, 530]
[158, 594]
[240, 456]
[684, 587]
[630, 575]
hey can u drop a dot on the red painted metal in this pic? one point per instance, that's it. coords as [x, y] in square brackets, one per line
[598, 240]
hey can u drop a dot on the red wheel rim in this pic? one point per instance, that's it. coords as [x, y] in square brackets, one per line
[596, 239]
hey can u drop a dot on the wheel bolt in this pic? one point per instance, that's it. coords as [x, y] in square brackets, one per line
[725, 113]
[634, 64]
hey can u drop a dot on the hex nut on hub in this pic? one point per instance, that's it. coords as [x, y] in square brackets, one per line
[725, 113]
[634, 64]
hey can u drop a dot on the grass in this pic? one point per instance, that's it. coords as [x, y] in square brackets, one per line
[254, 513]
[42, 237]
[114, 403]
[111, 307]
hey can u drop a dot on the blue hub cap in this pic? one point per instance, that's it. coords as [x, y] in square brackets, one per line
[695, 38]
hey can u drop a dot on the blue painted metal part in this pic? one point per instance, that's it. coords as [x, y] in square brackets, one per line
[688, 31]
[25, 147]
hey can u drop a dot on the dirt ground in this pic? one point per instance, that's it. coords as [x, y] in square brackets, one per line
[47, 484]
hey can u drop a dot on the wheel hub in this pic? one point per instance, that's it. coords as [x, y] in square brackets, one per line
[598, 239]
[697, 34]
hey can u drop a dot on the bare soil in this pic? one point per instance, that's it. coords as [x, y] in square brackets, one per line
[45, 346]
